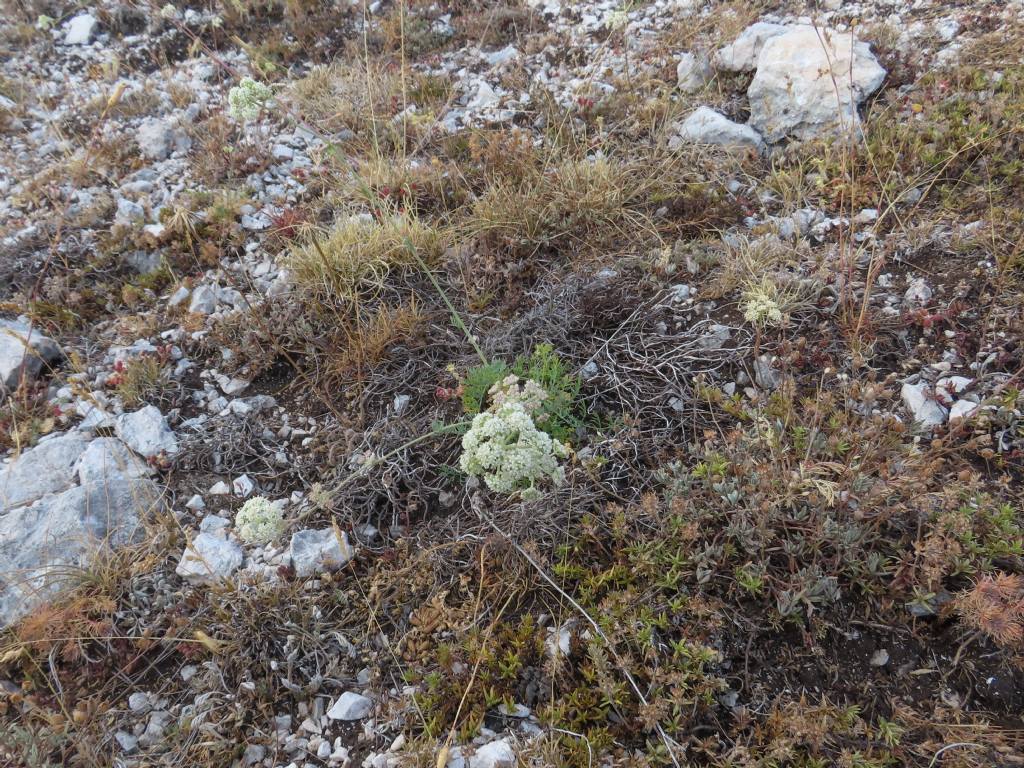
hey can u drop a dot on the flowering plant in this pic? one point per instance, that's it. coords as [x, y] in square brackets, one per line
[259, 521]
[247, 98]
[529, 393]
[761, 305]
[504, 446]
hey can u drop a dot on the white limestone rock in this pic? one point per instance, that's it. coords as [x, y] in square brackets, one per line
[809, 83]
[23, 351]
[49, 467]
[209, 558]
[741, 55]
[145, 431]
[692, 72]
[961, 409]
[494, 754]
[350, 706]
[204, 300]
[705, 126]
[923, 407]
[313, 551]
[107, 457]
[81, 29]
[158, 138]
[40, 542]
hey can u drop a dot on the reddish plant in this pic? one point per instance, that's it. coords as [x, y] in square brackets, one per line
[287, 223]
[995, 606]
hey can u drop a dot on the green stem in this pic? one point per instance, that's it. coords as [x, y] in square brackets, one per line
[446, 429]
[456, 317]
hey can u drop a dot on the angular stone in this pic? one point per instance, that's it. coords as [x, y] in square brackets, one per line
[80, 30]
[922, 406]
[178, 296]
[716, 337]
[765, 373]
[495, 754]
[692, 72]
[204, 300]
[126, 741]
[705, 126]
[157, 138]
[961, 409]
[140, 702]
[107, 457]
[145, 431]
[312, 551]
[48, 467]
[918, 293]
[215, 524]
[23, 351]
[350, 706]
[42, 543]
[809, 83]
[741, 55]
[953, 385]
[93, 416]
[209, 558]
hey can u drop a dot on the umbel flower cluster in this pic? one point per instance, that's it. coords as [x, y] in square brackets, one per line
[760, 307]
[505, 447]
[247, 98]
[259, 521]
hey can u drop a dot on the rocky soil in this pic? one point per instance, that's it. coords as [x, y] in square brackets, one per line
[773, 251]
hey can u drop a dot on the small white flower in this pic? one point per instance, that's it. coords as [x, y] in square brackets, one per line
[45, 22]
[169, 11]
[259, 521]
[505, 447]
[530, 394]
[616, 20]
[247, 98]
[761, 307]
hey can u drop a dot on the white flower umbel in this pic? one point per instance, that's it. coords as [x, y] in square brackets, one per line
[259, 521]
[247, 98]
[616, 20]
[761, 306]
[509, 390]
[505, 447]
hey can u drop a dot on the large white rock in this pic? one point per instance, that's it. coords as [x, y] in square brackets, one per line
[922, 406]
[48, 467]
[350, 706]
[741, 55]
[312, 551]
[107, 457]
[42, 544]
[494, 754]
[961, 409]
[157, 138]
[209, 558]
[80, 30]
[204, 300]
[23, 349]
[692, 72]
[145, 431]
[705, 126]
[809, 82]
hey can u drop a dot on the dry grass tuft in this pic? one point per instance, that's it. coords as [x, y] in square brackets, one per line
[572, 202]
[352, 262]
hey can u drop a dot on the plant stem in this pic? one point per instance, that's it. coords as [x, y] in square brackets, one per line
[370, 464]
[456, 318]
